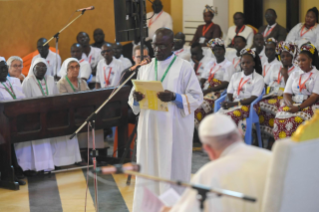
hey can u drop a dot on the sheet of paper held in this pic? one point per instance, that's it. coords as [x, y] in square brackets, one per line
[150, 90]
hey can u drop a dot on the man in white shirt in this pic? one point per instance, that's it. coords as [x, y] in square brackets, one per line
[234, 56]
[49, 56]
[235, 166]
[108, 71]
[90, 54]
[270, 51]
[118, 50]
[180, 49]
[85, 70]
[158, 19]
[198, 60]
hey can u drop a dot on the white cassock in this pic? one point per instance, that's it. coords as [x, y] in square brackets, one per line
[51, 60]
[159, 20]
[36, 155]
[108, 73]
[184, 53]
[262, 55]
[164, 139]
[94, 56]
[65, 151]
[126, 63]
[247, 33]
[201, 66]
[300, 35]
[269, 66]
[240, 168]
[14, 84]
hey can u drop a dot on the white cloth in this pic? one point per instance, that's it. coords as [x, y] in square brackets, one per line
[234, 59]
[201, 67]
[2, 59]
[85, 70]
[253, 87]
[36, 155]
[312, 35]
[102, 72]
[16, 86]
[247, 33]
[222, 71]
[126, 63]
[51, 61]
[269, 66]
[262, 55]
[164, 141]
[240, 168]
[271, 78]
[184, 53]
[164, 20]
[94, 56]
[312, 84]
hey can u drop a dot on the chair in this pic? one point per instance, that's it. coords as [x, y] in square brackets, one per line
[253, 119]
[292, 179]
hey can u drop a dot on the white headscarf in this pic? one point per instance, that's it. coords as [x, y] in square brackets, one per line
[2, 59]
[64, 68]
[35, 62]
[13, 58]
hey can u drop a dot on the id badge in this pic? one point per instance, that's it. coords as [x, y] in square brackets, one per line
[299, 98]
[280, 91]
[206, 85]
[202, 40]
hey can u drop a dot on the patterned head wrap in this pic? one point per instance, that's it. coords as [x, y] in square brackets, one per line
[209, 9]
[308, 47]
[271, 40]
[289, 47]
[215, 42]
[247, 51]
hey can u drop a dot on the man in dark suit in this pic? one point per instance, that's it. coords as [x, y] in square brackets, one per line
[273, 29]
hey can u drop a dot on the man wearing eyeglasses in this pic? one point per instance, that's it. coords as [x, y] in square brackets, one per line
[15, 64]
[179, 49]
[164, 141]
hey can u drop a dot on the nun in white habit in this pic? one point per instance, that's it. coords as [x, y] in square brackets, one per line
[37, 155]
[66, 151]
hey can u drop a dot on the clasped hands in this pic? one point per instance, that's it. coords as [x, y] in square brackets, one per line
[165, 96]
[227, 104]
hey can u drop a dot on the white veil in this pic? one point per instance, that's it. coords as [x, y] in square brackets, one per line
[64, 68]
[35, 62]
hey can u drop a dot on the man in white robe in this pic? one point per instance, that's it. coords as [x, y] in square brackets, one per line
[158, 19]
[37, 155]
[49, 56]
[164, 139]
[235, 166]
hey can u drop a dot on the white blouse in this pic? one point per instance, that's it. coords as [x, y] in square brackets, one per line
[222, 71]
[262, 55]
[234, 59]
[247, 33]
[252, 85]
[111, 72]
[16, 87]
[269, 66]
[299, 35]
[274, 76]
[202, 64]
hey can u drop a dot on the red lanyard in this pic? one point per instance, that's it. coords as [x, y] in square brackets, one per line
[236, 63]
[269, 31]
[241, 85]
[107, 80]
[302, 34]
[90, 58]
[205, 29]
[242, 29]
[211, 75]
[180, 51]
[303, 85]
[200, 64]
[279, 74]
[81, 60]
[266, 70]
[151, 21]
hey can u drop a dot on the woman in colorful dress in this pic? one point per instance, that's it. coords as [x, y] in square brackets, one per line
[214, 79]
[275, 82]
[300, 96]
[244, 88]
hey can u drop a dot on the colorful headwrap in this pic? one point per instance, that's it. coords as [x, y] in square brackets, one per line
[209, 9]
[215, 42]
[308, 47]
[284, 46]
[247, 51]
[271, 40]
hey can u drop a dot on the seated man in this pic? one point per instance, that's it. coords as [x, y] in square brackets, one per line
[108, 71]
[235, 166]
[85, 70]
[118, 50]
[199, 61]
[98, 36]
[49, 56]
[15, 64]
[179, 49]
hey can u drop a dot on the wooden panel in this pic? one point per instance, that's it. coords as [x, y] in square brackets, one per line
[24, 22]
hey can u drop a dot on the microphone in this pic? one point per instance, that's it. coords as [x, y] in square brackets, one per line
[84, 9]
[117, 169]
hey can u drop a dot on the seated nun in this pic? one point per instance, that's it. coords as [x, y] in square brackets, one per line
[36, 155]
[15, 64]
[234, 166]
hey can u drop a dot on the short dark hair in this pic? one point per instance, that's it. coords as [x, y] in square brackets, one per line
[240, 13]
[238, 36]
[196, 44]
[274, 11]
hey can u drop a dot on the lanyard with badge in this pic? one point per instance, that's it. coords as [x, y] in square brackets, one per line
[107, 80]
[46, 87]
[269, 31]
[212, 75]
[241, 84]
[300, 97]
[151, 20]
[204, 31]
[303, 33]
[79, 84]
[169, 67]
[235, 65]
[10, 89]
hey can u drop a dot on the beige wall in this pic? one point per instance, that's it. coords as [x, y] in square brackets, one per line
[177, 15]
[233, 7]
[280, 7]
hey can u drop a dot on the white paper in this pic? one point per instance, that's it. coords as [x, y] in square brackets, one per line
[170, 197]
[151, 203]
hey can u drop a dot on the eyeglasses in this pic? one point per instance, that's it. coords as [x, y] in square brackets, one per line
[17, 66]
[161, 47]
[144, 56]
[74, 67]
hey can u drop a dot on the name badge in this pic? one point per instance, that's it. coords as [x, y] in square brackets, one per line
[298, 98]
[206, 85]
[202, 40]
